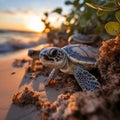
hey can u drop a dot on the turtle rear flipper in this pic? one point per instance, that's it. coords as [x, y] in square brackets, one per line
[86, 80]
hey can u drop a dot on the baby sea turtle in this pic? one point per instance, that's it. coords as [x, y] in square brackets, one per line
[92, 39]
[72, 59]
[80, 39]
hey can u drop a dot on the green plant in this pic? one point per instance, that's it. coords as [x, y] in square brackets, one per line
[46, 22]
[112, 27]
[83, 19]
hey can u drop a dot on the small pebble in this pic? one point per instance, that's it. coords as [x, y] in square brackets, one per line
[13, 73]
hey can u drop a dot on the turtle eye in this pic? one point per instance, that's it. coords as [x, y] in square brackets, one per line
[53, 52]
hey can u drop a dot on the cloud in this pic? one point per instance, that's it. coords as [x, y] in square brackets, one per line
[8, 12]
[17, 12]
[26, 11]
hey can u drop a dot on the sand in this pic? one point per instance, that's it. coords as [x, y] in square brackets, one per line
[102, 104]
[10, 78]
[13, 78]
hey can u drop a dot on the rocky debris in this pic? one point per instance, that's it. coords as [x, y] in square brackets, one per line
[27, 96]
[103, 104]
[34, 55]
[12, 73]
[109, 61]
[20, 62]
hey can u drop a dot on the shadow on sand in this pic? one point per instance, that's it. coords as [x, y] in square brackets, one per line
[29, 112]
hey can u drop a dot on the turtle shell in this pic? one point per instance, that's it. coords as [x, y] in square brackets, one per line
[82, 54]
[80, 39]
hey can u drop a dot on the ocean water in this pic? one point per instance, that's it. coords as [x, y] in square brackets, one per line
[12, 41]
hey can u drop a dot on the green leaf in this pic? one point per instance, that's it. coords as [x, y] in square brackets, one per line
[107, 6]
[100, 8]
[110, 4]
[117, 15]
[69, 18]
[68, 2]
[57, 10]
[100, 13]
[113, 28]
[76, 2]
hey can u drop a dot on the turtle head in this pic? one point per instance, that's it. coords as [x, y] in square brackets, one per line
[52, 57]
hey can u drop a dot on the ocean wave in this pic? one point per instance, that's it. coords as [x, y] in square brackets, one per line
[16, 45]
[13, 42]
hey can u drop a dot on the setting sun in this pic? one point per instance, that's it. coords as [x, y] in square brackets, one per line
[35, 24]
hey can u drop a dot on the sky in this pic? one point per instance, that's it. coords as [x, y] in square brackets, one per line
[24, 14]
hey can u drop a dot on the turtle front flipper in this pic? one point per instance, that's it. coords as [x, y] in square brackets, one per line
[51, 77]
[86, 80]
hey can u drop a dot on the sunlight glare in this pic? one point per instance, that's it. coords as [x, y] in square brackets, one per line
[35, 24]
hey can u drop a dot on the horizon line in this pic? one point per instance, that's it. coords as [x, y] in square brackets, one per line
[22, 31]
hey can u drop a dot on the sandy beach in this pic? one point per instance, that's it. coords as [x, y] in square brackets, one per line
[12, 79]
[23, 95]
